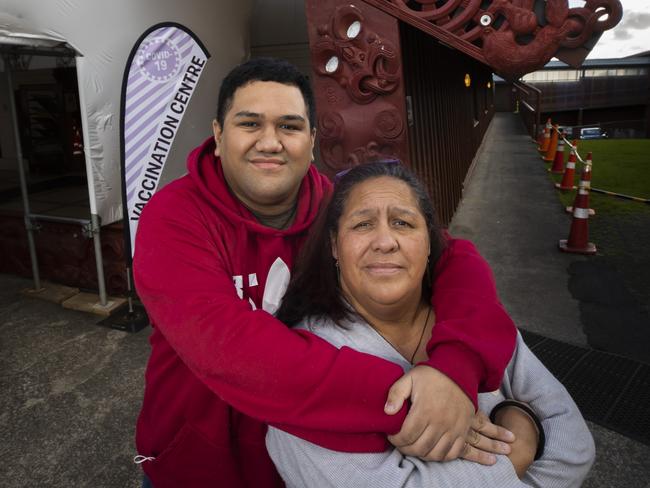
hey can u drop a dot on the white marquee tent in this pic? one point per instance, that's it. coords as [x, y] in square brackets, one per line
[100, 35]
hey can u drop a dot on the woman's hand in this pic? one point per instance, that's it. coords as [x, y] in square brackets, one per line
[437, 424]
[486, 439]
[524, 447]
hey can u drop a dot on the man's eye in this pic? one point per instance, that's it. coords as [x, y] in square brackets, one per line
[248, 123]
[290, 127]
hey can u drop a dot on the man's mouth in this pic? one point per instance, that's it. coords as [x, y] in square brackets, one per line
[267, 163]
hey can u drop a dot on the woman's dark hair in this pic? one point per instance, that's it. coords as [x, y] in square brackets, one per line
[314, 288]
[264, 69]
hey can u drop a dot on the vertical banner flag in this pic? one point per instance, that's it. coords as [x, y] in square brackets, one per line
[161, 74]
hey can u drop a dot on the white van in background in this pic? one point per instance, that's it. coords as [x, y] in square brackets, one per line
[592, 133]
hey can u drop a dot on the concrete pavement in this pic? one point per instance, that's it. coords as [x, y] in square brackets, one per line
[510, 212]
[71, 392]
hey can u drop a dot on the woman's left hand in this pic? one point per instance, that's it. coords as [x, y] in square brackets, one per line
[486, 439]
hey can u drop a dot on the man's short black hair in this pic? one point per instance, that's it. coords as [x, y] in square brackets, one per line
[264, 69]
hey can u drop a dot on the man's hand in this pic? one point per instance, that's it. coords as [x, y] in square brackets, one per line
[486, 439]
[438, 422]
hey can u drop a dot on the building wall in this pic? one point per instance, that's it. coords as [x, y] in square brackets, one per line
[601, 92]
[279, 29]
[618, 122]
[612, 94]
[504, 97]
[449, 119]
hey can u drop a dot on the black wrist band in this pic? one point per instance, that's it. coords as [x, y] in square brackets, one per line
[530, 412]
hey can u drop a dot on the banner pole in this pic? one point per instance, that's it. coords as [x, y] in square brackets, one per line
[90, 177]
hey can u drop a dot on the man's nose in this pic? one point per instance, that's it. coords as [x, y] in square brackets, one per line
[269, 141]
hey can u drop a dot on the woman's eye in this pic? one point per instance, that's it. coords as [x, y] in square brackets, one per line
[248, 123]
[361, 225]
[402, 223]
[290, 127]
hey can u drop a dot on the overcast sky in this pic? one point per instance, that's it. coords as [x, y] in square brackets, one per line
[630, 36]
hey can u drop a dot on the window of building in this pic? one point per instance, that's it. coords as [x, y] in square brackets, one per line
[553, 76]
[598, 72]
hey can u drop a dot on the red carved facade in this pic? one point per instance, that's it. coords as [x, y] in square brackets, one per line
[363, 86]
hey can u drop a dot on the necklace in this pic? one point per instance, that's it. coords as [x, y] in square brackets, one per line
[424, 327]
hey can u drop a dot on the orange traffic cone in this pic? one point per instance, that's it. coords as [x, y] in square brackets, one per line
[545, 137]
[569, 173]
[578, 241]
[552, 145]
[585, 183]
[558, 162]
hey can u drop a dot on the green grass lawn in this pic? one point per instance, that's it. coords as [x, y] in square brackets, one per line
[619, 165]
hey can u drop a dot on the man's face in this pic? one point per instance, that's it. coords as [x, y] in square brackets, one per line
[265, 145]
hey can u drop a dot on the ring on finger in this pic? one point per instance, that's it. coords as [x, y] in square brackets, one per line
[474, 438]
[466, 449]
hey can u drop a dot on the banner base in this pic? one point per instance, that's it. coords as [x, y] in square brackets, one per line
[127, 321]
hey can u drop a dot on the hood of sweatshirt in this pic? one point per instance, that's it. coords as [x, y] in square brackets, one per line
[206, 172]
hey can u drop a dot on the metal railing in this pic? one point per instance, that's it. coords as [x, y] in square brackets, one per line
[529, 101]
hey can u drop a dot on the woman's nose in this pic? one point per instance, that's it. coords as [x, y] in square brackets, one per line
[384, 239]
[268, 141]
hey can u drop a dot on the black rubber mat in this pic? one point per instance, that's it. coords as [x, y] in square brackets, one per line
[610, 390]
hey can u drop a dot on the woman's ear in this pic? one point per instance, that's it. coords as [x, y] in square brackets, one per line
[335, 253]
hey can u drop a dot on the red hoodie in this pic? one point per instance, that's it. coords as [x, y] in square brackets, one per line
[221, 367]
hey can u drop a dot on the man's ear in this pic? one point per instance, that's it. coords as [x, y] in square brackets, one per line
[313, 141]
[217, 131]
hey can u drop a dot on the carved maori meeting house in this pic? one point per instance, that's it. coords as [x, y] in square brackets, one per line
[412, 79]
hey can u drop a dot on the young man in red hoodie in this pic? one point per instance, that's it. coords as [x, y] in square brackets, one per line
[213, 257]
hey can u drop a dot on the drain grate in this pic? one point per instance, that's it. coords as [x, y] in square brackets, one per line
[610, 390]
[559, 358]
[632, 412]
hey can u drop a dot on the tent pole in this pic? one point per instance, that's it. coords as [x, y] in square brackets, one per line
[29, 225]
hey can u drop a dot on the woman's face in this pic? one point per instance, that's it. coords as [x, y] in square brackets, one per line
[382, 244]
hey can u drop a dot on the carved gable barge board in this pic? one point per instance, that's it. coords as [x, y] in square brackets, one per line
[437, 32]
[513, 37]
